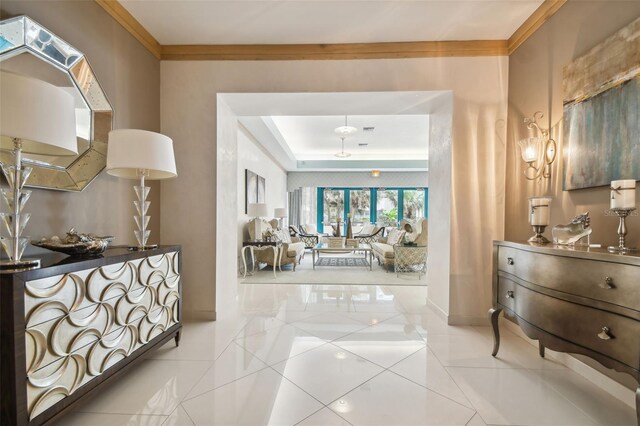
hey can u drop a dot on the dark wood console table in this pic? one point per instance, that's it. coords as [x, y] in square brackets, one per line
[577, 300]
[77, 323]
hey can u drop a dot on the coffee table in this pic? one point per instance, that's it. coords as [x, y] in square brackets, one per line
[324, 248]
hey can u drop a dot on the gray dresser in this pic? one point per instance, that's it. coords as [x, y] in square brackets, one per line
[583, 301]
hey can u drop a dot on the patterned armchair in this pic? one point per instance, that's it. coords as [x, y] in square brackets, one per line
[310, 241]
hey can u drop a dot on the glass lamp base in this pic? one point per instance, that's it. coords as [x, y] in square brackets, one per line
[19, 264]
[142, 248]
[538, 238]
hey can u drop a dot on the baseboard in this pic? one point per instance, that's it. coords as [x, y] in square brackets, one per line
[438, 310]
[467, 320]
[199, 315]
[605, 383]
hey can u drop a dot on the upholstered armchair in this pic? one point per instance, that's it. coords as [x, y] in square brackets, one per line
[291, 249]
[310, 241]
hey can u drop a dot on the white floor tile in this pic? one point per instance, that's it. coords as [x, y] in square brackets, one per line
[476, 421]
[327, 372]
[598, 404]
[234, 363]
[516, 397]
[324, 417]
[384, 344]
[472, 349]
[263, 398]
[329, 326]
[278, 344]
[258, 324]
[179, 417]
[370, 318]
[200, 341]
[389, 399]
[153, 387]
[424, 369]
[95, 419]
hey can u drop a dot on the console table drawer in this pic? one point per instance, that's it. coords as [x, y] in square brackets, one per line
[610, 282]
[610, 334]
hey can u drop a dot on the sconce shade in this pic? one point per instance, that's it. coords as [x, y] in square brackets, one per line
[529, 148]
[280, 212]
[42, 116]
[130, 150]
[257, 210]
[375, 173]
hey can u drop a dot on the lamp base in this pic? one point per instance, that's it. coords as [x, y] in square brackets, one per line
[143, 248]
[538, 238]
[19, 264]
[616, 249]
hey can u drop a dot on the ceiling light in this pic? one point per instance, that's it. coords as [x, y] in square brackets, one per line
[343, 154]
[375, 173]
[345, 130]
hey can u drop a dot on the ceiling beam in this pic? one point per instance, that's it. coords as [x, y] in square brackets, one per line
[541, 15]
[131, 24]
[288, 52]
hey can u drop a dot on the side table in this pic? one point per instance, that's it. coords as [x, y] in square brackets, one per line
[410, 259]
[261, 245]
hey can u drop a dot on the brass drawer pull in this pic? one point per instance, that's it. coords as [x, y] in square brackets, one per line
[605, 334]
[510, 294]
[607, 284]
[510, 261]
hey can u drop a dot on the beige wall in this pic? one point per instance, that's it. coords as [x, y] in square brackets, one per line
[189, 115]
[535, 84]
[130, 76]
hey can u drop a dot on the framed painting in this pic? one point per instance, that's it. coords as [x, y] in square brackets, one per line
[602, 112]
[251, 189]
[262, 188]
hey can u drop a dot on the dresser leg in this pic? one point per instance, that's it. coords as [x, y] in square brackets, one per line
[493, 316]
[541, 349]
[177, 338]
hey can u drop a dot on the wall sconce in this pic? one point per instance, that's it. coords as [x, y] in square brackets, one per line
[375, 173]
[538, 151]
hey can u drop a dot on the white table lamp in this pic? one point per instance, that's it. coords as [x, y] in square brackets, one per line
[257, 211]
[280, 213]
[140, 154]
[35, 118]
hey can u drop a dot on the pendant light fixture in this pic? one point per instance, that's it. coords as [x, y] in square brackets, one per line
[342, 154]
[345, 130]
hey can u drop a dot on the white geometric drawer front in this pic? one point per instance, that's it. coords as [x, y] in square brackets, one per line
[77, 328]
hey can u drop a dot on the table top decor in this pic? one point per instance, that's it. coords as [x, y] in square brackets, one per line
[75, 243]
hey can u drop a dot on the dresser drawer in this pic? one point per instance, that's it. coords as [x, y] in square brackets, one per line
[576, 323]
[610, 282]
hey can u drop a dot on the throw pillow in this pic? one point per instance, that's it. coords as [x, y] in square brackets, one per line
[395, 237]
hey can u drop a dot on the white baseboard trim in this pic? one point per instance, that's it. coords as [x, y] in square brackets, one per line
[607, 384]
[467, 320]
[442, 314]
[199, 315]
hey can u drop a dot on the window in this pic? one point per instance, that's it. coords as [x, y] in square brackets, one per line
[360, 205]
[333, 205]
[387, 207]
[413, 204]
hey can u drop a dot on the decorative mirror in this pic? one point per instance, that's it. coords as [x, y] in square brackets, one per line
[29, 49]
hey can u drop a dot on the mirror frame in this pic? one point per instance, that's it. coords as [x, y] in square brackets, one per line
[17, 37]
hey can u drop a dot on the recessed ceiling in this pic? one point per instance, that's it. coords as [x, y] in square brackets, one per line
[394, 137]
[327, 21]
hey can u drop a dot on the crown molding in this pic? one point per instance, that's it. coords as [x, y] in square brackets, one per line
[284, 52]
[131, 24]
[290, 52]
[541, 15]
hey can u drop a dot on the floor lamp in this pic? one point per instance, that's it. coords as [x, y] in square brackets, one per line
[142, 155]
[35, 118]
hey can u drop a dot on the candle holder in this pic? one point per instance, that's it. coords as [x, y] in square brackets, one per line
[538, 238]
[622, 231]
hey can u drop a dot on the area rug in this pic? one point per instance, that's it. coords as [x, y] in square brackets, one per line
[342, 261]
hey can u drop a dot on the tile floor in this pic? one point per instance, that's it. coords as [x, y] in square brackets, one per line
[339, 355]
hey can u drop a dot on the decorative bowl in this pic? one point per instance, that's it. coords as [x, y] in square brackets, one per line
[75, 243]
